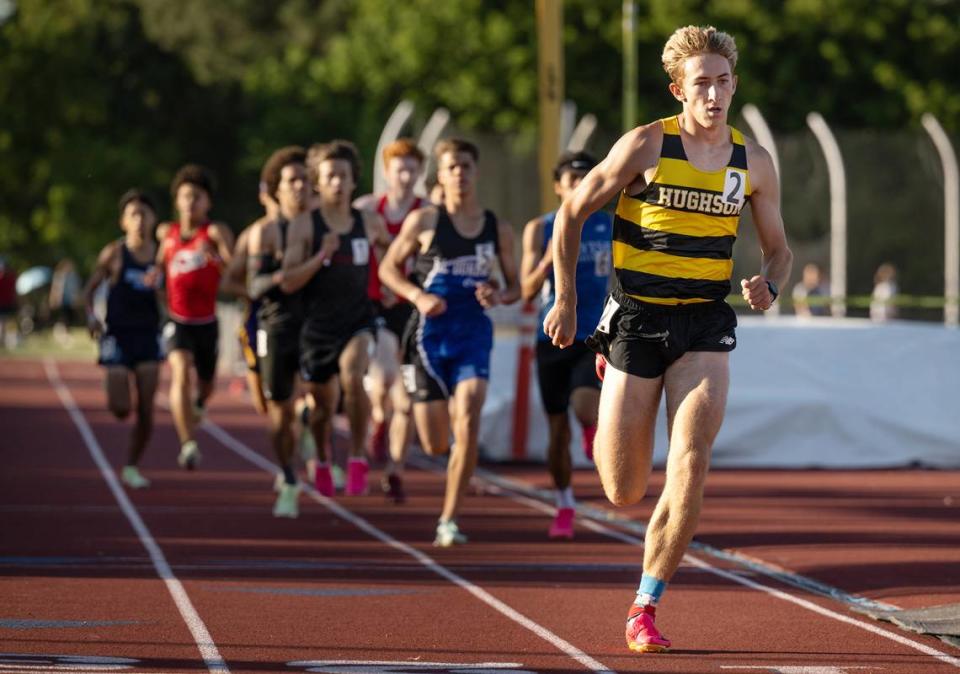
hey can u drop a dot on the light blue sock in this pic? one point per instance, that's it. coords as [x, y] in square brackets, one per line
[650, 591]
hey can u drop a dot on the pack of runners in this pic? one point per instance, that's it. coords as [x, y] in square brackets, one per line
[375, 307]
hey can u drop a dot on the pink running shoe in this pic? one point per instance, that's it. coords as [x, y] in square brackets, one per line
[324, 481]
[357, 477]
[642, 634]
[562, 526]
[600, 365]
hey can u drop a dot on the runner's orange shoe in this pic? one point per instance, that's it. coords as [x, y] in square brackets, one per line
[642, 634]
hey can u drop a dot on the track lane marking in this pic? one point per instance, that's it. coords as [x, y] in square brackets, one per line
[201, 636]
[598, 527]
[558, 642]
[734, 557]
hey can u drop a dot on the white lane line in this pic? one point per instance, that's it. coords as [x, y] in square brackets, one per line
[603, 529]
[561, 644]
[753, 564]
[208, 650]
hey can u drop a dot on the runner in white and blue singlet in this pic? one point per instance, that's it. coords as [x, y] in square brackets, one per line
[566, 377]
[456, 246]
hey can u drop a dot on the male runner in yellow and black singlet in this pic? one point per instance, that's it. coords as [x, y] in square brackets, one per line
[683, 182]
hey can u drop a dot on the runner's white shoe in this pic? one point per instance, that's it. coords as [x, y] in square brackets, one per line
[189, 455]
[131, 477]
[448, 535]
[287, 504]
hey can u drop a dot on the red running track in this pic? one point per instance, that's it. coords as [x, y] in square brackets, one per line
[212, 582]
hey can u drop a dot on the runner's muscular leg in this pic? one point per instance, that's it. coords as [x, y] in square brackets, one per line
[325, 396]
[117, 384]
[623, 447]
[281, 429]
[146, 375]
[584, 402]
[383, 373]
[558, 449]
[181, 362]
[696, 389]
[468, 400]
[401, 426]
[433, 426]
[354, 361]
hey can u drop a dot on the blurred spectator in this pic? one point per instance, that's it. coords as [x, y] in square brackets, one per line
[811, 285]
[64, 298]
[8, 304]
[882, 307]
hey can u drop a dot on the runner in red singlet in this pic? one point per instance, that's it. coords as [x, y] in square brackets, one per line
[402, 163]
[193, 251]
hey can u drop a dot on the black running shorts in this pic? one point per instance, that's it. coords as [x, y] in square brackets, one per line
[278, 352]
[199, 339]
[130, 348]
[644, 339]
[560, 371]
[322, 342]
[395, 318]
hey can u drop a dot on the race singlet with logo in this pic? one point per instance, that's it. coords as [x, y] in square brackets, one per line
[193, 270]
[673, 242]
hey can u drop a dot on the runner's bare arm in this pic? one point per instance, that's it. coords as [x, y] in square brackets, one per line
[299, 265]
[257, 284]
[161, 234]
[222, 237]
[536, 264]
[406, 245]
[367, 202]
[633, 154]
[508, 264]
[777, 258]
[106, 268]
[377, 233]
[234, 276]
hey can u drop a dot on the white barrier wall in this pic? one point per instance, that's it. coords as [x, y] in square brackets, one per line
[832, 393]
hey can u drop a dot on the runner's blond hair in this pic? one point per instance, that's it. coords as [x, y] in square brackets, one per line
[692, 41]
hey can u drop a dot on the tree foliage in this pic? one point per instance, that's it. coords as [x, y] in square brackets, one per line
[99, 95]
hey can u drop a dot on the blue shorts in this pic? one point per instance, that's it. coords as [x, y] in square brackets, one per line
[444, 351]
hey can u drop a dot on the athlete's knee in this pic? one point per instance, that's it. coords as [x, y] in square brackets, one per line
[436, 448]
[620, 494]
[351, 379]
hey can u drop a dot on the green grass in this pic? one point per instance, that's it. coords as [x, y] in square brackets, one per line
[77, 346]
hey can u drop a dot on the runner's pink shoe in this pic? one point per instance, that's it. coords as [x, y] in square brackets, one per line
[562, 526]
[642, 634]
[357, 477]
[600, 365]
[324, 481]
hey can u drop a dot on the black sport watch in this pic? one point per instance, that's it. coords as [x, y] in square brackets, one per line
[772, 287]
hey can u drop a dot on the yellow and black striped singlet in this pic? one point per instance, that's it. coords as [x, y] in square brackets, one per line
[673, 242]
